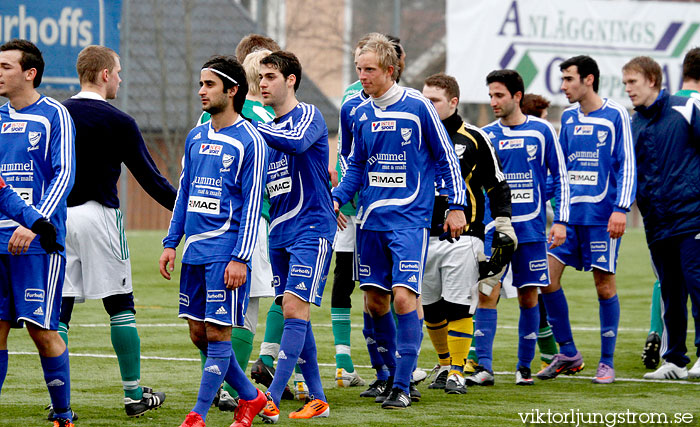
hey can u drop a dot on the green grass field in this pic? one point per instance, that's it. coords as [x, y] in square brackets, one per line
[171, 363]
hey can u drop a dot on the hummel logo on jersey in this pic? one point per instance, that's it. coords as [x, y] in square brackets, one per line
[381, 349]
[55, 383]
[39, 312]
[602, 259]
[281, 355]
[478, 333]
[301, 286]
[532, 336]
[412, 279]
[609, 334]
[571, 120]
[213, 369]
[363, 117]
[543, 277]
[221, 310]
[199, 135]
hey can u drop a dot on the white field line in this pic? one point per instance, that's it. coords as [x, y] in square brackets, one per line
[328, 325]
[369, 368]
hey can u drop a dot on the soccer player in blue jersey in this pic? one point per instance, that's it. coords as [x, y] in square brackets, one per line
[36, 158]
[666, 132]
[400, 149]
[302, 225]
[344, 275]
[597, 141]
[218, 210]
[528, 149]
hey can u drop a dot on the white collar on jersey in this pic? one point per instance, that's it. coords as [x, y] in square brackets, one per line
[390, 97]
[86, 94]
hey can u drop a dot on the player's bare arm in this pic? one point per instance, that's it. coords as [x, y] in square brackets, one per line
[167, 262]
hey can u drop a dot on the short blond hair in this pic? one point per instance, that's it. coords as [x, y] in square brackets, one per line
[92, 60]
[251, 65]
[385, 52]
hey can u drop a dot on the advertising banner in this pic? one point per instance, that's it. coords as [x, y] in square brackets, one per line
[535, 36]
[61, 29]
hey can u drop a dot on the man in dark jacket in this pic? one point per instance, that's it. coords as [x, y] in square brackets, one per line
[666, 131]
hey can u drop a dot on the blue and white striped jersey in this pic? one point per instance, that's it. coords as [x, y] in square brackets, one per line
[347, 125]
[398, 152]
[527, 151]
[36, 159]
[220, 194]
[600, 159]
[297, 177]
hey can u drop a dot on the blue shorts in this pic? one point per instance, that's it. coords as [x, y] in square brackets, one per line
[392, 258]
[587, 247]
[30, 289]
[529, 265]
[301, 270]
[205, 298]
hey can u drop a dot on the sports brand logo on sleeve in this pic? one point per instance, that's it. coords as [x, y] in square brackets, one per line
[384, 126]
[583, 130]
[14, 127]
[216, 296]
[275, 281]
[301, 271]
[540, 264]
[34, 295]
[210, 149]
[206, 205]
[409, 266]
[511, 144]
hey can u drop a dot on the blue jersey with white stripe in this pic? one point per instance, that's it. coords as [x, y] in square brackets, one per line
[297, 177]
[220, 194]
[398, 152]
[347, 125]
[527, 151]
[600, 159]
[36, 159]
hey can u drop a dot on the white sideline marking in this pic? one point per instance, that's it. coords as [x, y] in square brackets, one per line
[332, 365]
[328, 325]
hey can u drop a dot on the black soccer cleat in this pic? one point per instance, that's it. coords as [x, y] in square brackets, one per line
[415, 394]
[150, 400]
[376, 388]
[397, 399]
[263, 374]
[650, 354]
[52, 415]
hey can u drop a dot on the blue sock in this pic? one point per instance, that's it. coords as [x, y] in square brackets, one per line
[385, 335]
[558, 316]
[528, 325]
[485, 321]
[407, 342]
[215, 368]
[609, 311]
[420, 341]
[57, 376]
[236, 378]
[3, 367]
[292, 342]
[375, 358]
[309, 367]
